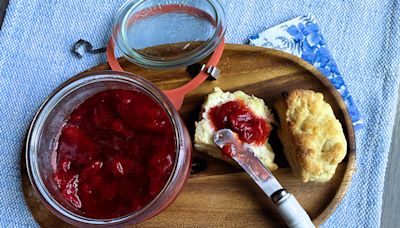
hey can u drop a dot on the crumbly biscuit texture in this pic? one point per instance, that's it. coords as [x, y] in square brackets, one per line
[313, 139]
[203, 139]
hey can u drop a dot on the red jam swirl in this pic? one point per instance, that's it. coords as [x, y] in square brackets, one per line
[240, 119]
[115, 153]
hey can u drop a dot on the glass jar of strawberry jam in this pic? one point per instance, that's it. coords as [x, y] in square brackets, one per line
[109, 149]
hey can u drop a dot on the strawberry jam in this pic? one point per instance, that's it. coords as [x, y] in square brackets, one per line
[115, 154]
[240, 119]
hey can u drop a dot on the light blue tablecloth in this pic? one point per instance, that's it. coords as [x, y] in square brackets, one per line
[362, 35]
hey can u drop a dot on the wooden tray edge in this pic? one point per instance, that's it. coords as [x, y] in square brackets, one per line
[351, 153]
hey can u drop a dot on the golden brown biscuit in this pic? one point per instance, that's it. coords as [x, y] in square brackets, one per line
[313, 139]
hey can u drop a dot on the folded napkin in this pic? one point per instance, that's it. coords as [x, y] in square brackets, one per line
[301, 37]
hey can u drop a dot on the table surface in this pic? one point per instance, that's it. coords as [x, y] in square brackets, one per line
[3, 6]
[391, 201]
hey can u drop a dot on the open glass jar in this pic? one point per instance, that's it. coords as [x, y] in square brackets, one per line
[44, 132]
[168, 33]
[152, 34]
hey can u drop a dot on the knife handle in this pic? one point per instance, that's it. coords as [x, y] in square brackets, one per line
[292, 212]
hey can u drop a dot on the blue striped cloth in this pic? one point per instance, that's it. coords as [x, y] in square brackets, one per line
[362, 34]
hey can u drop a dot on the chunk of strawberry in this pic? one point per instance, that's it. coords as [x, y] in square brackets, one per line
[136, 106]
[92, 169]
[262, 129]
[70, 192]
[76, 145]
[96, 183]
[131, 187]
[109, 190]
[61, 179]
[102, 116]
[120, 166]
[228, 151]
[125, 100]
[116, 168]
[64, 164]
[137, 204]
[159, 169]
[119, 127]
[85, 191]
[125, 97]
[136, 149]
[161, 165]
[117, 144]
[159, 122]
[247, 134]
[239, 116]
[86, 194]
[156, 184]
[138, 169]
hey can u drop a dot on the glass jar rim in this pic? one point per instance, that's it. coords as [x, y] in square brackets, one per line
[121, 22]
[54, 99]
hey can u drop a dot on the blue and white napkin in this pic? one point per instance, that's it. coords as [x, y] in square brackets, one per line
[301, 37]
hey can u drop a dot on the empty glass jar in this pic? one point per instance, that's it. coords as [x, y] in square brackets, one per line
[168, 33]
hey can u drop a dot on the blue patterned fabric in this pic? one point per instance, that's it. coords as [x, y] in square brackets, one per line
[302, 37]
[363, 39]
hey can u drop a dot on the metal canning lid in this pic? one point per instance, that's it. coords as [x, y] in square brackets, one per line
[168, 33]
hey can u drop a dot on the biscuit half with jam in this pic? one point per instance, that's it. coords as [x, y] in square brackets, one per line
[246, 115]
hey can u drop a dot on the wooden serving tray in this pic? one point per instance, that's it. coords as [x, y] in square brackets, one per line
[222, 195]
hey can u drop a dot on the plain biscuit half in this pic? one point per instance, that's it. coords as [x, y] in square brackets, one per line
[313, 139]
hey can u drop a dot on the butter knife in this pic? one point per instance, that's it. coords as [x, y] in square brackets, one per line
[287, 205]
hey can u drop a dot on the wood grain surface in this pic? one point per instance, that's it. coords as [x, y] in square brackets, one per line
[222, 195]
